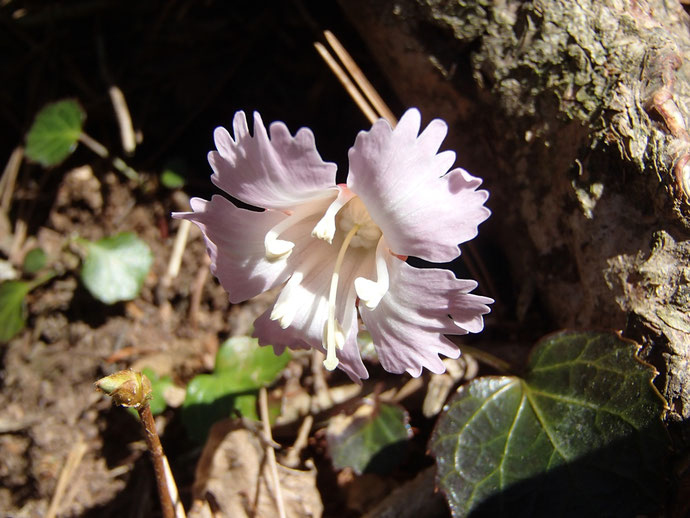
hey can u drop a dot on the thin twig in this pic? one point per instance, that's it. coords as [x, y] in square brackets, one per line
[9, 178]
[102, 152]
[94, 145]
[349, 86]
[292, 458]
[124, 119]
[270, 452]
[74, 458]
[361, 80]
[177, 252]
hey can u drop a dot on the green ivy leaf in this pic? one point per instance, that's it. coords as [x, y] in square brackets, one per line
[115, 267]
[55, 132]
[580, 435]
[241, 368]
[12, 310]
[372, 439]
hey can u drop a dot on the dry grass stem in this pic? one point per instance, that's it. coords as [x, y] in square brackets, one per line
[270, 452]
[360, 79]
[177, 252]
[292, 458]
[74, 458]
[124, 119]
[9, 178]
[347, 83]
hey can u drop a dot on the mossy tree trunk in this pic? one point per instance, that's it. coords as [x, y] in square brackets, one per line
[574, 112]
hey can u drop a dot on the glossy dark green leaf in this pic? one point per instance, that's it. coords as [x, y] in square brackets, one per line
[12, 310]
[372, 439]
[580, 435]
[241, 368]
[115, 267]
[55, 132]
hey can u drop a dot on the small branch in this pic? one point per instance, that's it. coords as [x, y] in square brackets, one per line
[270, 452]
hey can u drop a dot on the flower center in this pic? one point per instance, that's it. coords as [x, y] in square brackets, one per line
[354, 213]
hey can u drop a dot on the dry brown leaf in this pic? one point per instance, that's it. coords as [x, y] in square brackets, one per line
[233, 481]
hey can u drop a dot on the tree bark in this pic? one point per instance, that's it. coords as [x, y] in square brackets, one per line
[574, 112]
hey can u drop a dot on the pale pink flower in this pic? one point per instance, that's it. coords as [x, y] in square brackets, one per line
[339, 248]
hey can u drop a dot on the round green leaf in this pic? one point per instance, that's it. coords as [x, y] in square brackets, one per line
[372, 439]
[252, 366]
[580, 435]
[12, 314]
[55, 132]
[171, 179]
[115, 267]
[35, 260]
[157, 403]
[242, 367]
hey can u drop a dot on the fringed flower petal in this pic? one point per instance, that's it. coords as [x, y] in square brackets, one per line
[235, 244]
[276, 172]
[420, 307]
[422, 209]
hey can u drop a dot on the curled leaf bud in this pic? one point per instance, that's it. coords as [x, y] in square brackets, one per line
[128, 388]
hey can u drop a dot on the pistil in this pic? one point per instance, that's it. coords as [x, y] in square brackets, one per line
[332, 342]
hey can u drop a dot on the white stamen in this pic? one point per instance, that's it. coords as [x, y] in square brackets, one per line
[278, 248]
[369, 292]
[331, 338]
[325, 228]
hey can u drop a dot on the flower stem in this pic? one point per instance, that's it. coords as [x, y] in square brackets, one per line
[154, 445]
[132, 389]
[102, 152]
